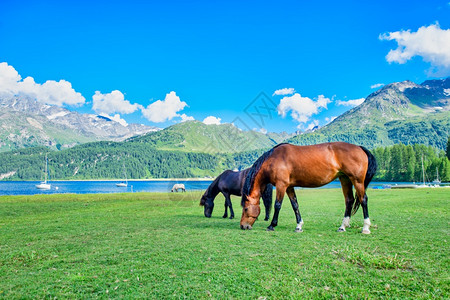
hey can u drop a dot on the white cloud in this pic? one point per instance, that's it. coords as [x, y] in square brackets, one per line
[50, 92]
[330, 119]
[9, 78]
[354, 102]
[112, 102]
[376, 85]
[431, 43]
[313, 124]
[164, 110]
[185, 118]
[302, 108]
[211, 120]
[263, 130]
[116, 118]
[285, 91]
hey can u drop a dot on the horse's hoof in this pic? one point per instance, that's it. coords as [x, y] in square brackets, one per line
[224, 216]
[341, 229]
[270, 228]
[298, 230]
[232, 217]
[266, 219]
[365, 231]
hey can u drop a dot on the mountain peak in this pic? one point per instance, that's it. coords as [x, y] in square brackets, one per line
[401, 86]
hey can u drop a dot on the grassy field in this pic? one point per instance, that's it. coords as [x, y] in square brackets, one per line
[153, 245]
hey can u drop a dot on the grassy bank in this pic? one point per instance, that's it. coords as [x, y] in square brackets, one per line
[160, 245]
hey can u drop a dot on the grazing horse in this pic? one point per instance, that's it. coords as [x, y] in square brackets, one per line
[178, 186]
[230, 183]
[287, 166]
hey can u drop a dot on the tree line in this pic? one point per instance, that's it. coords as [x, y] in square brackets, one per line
[106, 160]
[404, 163]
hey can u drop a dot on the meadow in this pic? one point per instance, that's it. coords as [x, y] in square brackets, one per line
[159, 245]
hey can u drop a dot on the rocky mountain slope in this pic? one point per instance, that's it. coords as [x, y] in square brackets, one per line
[25, 122]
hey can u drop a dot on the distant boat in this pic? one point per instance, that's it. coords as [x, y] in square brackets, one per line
[44, 185]
[123, 183]
[437, 180]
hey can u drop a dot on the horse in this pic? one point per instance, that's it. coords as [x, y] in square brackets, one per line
[287, 166]
[178, 186]
[230, 183]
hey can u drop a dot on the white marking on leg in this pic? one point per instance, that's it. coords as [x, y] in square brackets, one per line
[366, 226]
[345, 223]
[299, 227]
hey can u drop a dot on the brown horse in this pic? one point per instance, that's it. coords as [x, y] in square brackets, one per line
[287, 166]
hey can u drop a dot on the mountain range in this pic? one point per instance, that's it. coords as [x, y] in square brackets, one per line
[401, 112]
[24, 122]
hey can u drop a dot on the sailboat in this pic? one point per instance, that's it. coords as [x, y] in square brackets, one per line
[423, 176]
[437, 180]
[44, 185]
[123, 184]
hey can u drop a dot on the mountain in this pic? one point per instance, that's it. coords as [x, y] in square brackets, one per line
[401, 112]
[195, 136]
[24, 122]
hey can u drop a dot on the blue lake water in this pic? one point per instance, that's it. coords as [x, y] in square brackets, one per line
[96, 187]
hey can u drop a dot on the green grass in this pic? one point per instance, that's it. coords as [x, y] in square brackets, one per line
[157, 246]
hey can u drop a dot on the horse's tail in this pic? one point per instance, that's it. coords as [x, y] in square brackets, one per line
[212, 186]
[371, 170]
[248, 183]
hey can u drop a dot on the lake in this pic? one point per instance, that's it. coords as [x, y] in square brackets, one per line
[96, 187]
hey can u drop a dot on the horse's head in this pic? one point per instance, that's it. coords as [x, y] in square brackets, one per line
[208, 205]
[250, 211]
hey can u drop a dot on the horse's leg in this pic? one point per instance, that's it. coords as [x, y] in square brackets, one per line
[280, 195]
[230, 206]
[347, 189]
[225, 215]
[362, 197]
[291, 194]
[267, 200]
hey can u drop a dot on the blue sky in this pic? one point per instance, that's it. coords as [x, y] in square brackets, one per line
[207, 58]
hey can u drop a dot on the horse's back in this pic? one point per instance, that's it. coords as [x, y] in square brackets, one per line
[325, 151]
[317, 165]
[231, 182]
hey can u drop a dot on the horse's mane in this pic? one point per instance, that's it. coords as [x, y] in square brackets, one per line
[250, 179]
[209, 189]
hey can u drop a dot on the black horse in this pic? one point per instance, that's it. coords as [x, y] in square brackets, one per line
[230, 183]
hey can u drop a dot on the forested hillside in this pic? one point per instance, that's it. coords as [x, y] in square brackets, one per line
[105, 160]
[195, 136]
